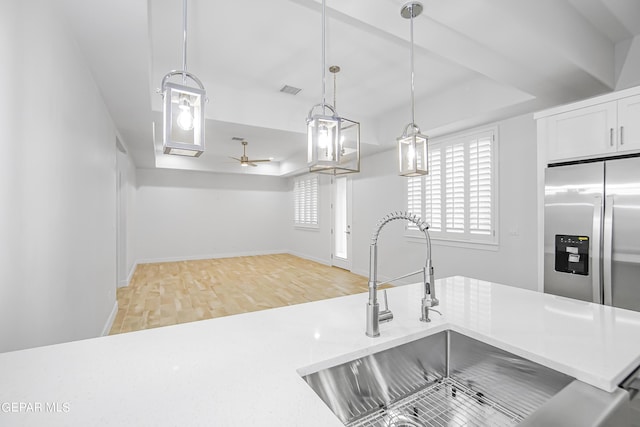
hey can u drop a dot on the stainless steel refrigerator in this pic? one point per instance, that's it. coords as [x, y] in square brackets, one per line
[592, 232]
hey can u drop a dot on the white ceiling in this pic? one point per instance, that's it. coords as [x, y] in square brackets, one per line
[476, 61]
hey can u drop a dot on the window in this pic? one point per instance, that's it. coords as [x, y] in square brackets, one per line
[305, 200]
[458, 197]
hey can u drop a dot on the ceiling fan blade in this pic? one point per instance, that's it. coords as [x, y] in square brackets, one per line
[234, 158]
[252, 164]
[261, 160]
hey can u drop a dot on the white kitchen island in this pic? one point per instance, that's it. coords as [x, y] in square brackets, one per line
[246, 369]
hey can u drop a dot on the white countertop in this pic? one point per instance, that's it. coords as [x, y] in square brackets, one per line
[245, 369]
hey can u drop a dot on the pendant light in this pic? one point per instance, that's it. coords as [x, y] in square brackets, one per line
[412, 145]
[183, 110]
[333, 142]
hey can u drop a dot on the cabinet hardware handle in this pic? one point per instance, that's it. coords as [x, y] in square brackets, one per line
[621, 135]
[611, 137]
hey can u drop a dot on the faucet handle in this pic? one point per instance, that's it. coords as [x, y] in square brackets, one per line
[425, 313]
[385, 315]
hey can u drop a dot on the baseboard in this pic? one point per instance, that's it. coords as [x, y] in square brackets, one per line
[110, 319]
[361, 272]
[210, 256]
[124, 283]
[310, 258]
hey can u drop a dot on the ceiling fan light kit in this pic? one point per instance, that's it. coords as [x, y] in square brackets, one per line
[333, 142]
[183, 108]
[412, 145]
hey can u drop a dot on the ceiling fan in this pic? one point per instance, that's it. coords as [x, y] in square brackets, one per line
[244, 160]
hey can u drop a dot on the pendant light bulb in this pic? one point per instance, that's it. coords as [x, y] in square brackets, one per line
[185, 120]
[411, 154]
[185, 117]
[323, 137]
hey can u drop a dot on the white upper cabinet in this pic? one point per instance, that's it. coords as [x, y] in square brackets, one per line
[598, 127]
[585, 132]
[629, 123]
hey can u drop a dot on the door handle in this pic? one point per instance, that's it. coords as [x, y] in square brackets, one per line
[611, 137]
[607, 248]
[596, 287]
[621, 135]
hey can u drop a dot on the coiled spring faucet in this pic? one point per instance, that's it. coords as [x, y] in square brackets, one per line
[429, 300]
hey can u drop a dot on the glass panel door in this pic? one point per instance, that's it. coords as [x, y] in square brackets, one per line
[341, 213]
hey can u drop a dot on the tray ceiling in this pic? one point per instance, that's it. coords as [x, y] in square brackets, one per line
[476, 61]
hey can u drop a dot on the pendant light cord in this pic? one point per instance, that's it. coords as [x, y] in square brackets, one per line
[324, 73]
[184, 41]
[413, 108]
[334, 91]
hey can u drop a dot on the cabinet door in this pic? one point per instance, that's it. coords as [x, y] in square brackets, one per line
[585, 132]
[629, 123]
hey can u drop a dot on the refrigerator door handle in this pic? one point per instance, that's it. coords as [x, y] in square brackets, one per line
[607, 248]
[595, 250]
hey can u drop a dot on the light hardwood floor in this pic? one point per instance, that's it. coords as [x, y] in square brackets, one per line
[168, 293]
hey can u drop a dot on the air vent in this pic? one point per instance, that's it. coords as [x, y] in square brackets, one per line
[290, 90]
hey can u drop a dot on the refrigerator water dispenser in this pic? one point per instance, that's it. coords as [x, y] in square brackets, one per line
[572, 254]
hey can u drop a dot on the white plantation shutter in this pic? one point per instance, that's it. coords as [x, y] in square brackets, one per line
[454, 188]
[424, 194]
[480, 188]
[433, 193]
[457, 197]
[305, 200]
[415, 194]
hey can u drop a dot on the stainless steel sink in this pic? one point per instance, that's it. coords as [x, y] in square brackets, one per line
[446, 379]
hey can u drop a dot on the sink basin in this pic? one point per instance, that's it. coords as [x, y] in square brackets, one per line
[446, 379]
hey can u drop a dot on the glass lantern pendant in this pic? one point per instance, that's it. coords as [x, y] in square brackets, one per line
[412, 145]
[183, 108]
[333, 141]
[334, 144]
[412, 149]
[183, 131]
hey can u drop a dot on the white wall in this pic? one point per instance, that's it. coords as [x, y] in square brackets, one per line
[311, 243]
[378, 190]
[515, 262]
[57, 185]
[11, 264]
[126, 210]
[195, 215]
[132, 256]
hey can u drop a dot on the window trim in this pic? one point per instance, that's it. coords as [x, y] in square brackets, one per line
[492, 243]
[418, 237]
[307, 225]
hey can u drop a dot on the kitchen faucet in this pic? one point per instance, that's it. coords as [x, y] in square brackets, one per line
[429, 300]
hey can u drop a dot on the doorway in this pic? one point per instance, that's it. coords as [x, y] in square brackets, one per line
[341, 223]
